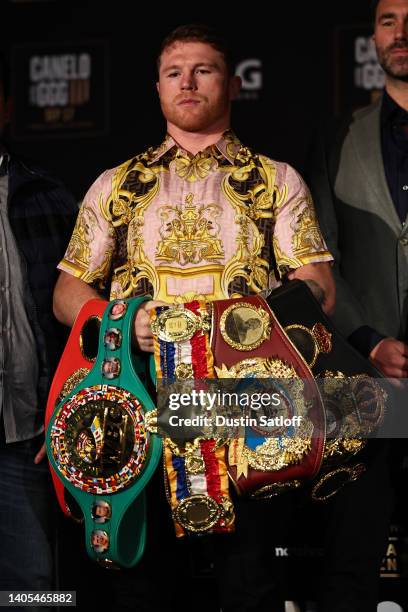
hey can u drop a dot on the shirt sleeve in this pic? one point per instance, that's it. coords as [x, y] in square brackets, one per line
[92, 244]
[364, 339]
[297, 237]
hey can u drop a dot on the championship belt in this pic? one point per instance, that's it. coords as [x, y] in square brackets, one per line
[76, 361]
[100, 445]
[249, 343]
[196, 478]
[353, 398]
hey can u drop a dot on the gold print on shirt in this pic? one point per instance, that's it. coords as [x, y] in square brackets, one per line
[190, 234]
[126, 207]
[121, 206]
[306, 234]
[197, 168]
[83, 235]
[79, 249]
[251, 205]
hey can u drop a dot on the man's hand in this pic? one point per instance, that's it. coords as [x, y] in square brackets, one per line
[40, 455]
[321, 274]
[391, 357]
[143, 332]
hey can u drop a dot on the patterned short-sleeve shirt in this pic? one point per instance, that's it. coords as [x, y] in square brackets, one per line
[221, 223]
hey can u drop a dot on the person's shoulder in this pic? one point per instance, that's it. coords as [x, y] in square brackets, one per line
[368, 110]
[105, 182]
[145, 158]
[28, 177]
[282, 169]
[338, 128]
[26, 170]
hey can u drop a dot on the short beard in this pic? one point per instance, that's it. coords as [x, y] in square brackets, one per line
[391, 72]
[391, 67]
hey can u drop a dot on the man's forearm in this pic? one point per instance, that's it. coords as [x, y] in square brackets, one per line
[70, 294]
[320, 273]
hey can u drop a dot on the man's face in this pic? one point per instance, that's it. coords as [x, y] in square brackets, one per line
[391, 37]
[195, 88]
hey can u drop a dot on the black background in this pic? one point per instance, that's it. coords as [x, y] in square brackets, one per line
[294, 40]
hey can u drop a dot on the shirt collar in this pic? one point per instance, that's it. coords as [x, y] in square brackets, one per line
[228, 146]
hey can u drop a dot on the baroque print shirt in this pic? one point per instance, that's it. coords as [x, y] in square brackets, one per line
[222, 223]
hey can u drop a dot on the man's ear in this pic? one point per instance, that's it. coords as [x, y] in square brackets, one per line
[234, 86]
[158, 87]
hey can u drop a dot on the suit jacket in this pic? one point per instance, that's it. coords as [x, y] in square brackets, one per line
[362, 228]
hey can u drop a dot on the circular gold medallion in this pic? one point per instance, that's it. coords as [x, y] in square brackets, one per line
[198, 513]
[244, 326]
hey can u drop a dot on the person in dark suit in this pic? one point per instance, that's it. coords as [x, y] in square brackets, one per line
[359, 183]
[360, 188]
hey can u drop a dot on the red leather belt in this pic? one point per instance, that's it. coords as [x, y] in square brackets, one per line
[247, 340]
[73, 366]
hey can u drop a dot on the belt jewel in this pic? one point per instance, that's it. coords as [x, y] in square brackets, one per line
[102, 447]
[196, 475]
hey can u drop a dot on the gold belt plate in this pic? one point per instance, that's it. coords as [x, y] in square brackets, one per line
[178, 324]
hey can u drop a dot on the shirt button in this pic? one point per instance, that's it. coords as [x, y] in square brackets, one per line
[405, 187]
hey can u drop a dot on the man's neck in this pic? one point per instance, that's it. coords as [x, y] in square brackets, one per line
[398, 91]
[193, 142]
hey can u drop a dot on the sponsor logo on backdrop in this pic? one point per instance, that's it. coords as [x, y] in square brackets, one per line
[368, 73]
[250, 71]
[60, 80]
[359, 79]
[61, 89]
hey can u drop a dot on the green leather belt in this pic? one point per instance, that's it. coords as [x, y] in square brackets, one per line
[100, 443]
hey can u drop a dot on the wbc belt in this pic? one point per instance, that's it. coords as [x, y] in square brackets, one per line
[100, 445]
[196, 478]
[248, 342]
